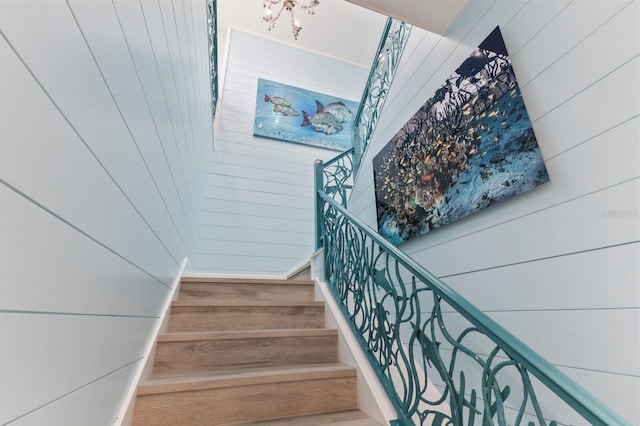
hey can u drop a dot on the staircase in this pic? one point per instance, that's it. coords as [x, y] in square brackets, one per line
[248, 352]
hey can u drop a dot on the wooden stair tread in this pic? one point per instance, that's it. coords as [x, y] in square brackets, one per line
[199, 317]
[258, 291]
[228, 376]
[214, 280]
[245, 334]
[240, 303]
[340, 418]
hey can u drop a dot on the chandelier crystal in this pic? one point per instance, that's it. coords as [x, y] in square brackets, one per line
[289, 6]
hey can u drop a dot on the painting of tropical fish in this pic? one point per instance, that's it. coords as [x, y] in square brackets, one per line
[292, 114]
[469, 147]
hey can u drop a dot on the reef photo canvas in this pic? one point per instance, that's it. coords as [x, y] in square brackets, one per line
[301, 116]
[470, 146]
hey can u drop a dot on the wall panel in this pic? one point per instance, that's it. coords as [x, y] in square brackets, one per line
[272, 164]
[102, 177]
[61, 354]
[257, 222]
[246, 234]
[256, 197]
[107, 390]
[37, 253]
[253, 185]
[119, 71]
[263, 265]
[172, 182]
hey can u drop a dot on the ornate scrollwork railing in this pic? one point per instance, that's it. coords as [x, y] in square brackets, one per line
[441, 360]
[394, 38]
[212, 29]
[336, 177]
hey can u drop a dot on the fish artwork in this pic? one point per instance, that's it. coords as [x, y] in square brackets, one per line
[338, 109]
[285, 110]
[324, 122]
[469, 146]
[277, 100]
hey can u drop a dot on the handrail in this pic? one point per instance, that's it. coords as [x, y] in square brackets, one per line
[377, 308]
[386, 60]
[338, 157]
[212, 32]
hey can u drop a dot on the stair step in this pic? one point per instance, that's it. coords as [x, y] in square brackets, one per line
[246, 289]
[230, 395]
[241, 280]
[211, 315]
[193, 351]
[340, 418]
[239, 303]
[220, 377]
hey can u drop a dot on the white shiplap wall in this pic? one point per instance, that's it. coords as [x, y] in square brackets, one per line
[558, 266]
[258, 211]
[104, 133]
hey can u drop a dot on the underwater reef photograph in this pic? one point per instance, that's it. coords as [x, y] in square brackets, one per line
[297, 115]
[470, 146]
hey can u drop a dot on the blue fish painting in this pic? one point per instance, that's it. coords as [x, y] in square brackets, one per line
[468, 147]
[301, 116]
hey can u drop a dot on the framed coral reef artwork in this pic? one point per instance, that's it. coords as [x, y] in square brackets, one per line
[468, 147]
[301, 116]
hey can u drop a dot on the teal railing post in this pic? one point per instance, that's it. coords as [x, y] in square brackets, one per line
[212, 30]
[358, 144]
[318, 201]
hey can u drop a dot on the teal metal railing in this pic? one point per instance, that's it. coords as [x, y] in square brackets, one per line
[336, 178]
[441, 360]
[394, 38]
[212, 30]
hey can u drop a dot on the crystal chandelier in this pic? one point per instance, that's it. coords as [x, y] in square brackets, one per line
[288, 5]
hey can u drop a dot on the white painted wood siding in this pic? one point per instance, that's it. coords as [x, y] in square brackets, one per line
[105, 130]
[558, 266]
[258, 211]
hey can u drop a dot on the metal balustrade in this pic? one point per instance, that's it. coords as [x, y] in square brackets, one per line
[212, 30]
[441, 360]
[394, 38]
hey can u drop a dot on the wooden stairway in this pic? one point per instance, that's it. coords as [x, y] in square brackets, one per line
[248, 352]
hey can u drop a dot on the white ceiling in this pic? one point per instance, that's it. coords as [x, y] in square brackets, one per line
[338, 28]
[431, 15]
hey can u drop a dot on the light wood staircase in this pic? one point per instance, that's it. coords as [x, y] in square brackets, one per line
[248, 352]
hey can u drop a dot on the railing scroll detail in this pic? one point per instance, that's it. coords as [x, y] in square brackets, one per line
[441, 360]
[385, 63]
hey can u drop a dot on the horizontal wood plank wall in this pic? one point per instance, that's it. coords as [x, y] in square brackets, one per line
[258, 211]
[106, 129]
[559, 266]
